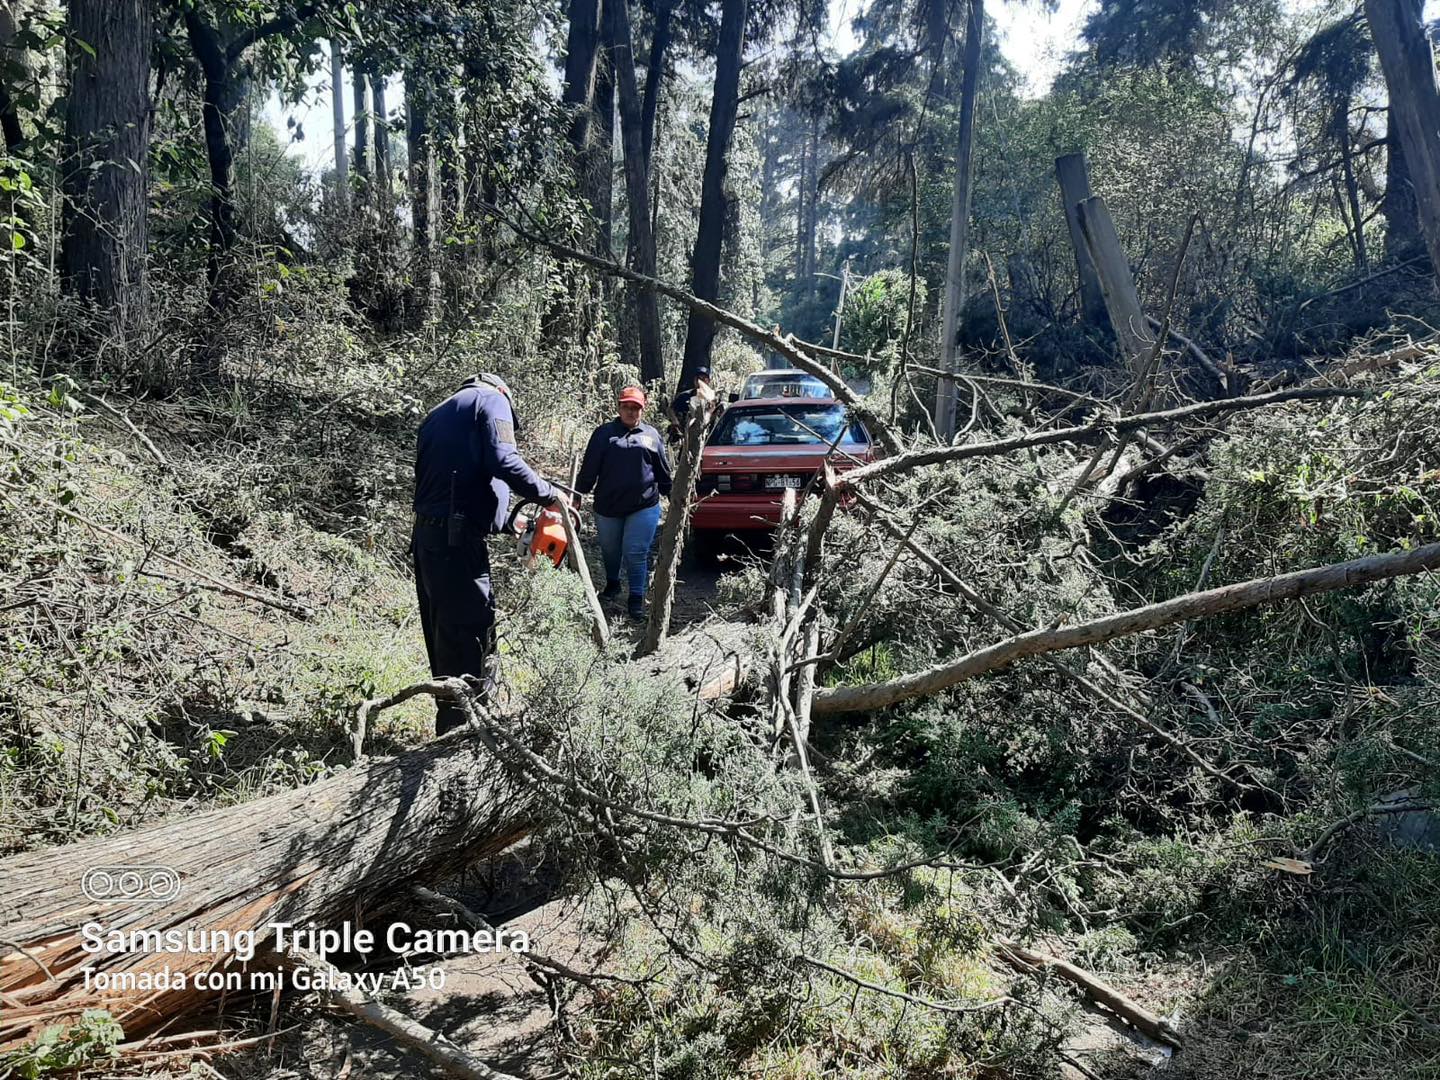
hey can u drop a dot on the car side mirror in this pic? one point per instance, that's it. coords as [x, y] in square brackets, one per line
[733, 397]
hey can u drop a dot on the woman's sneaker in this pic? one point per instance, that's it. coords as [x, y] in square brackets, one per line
[611, 590]
[637, 608]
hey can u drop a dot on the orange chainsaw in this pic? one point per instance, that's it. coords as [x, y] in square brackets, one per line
[540, 535]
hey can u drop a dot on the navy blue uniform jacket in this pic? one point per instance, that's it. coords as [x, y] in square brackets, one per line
[626, 467]
[468, 440]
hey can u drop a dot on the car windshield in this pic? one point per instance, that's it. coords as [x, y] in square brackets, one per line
[768, 386]
[786, 425]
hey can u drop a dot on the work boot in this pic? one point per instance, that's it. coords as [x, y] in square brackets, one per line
[637, 608]
[611, 590]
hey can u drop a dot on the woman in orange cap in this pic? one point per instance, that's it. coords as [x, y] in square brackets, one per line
[626, 466]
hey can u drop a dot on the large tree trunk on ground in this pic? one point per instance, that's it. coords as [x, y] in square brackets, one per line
[302, 857]
[337, 107]
[1074, 178]
[1117, 283]
[705, 260]
[637, 190]
[959, 227]
[1409, 65]
[1238, 597]
[107, 132]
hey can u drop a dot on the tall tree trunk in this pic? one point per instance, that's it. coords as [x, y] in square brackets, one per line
[383, 184]
[1402, 215]
[223, 95]
[959, 226]
[107, 131]
[654, 75]
[637, 189]
[359, 87]
[420, 151]
[812, 204]
[1409, 65]
[10, 128]
[1352, 189]
[705, 262]
[582, 51]
[337, 107]
[802, 215]
[1073, 175]
[601, 163]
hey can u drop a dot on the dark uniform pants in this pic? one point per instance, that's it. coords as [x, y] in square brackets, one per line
[457, 611]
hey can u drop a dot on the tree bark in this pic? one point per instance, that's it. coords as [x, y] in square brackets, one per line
[421, 155]
[10, 128]
[302, 857]
[385, 189]
[359, 88]
[1352, 188]
[654, 76]
[600, 163]
[1074, 178]
[677, 518]
[1409, 65]
[337, 111]
[1195, 605]
[582, 53]
[1117, 283]
[1403, 239]
[107, 132]
[637, 190]
[959, 227]
[705, 260]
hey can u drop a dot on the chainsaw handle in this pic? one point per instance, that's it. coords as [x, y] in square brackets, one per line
[515, 512]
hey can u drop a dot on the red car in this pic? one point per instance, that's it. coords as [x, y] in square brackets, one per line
[757, 450]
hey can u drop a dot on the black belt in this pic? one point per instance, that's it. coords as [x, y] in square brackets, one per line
[426, 519]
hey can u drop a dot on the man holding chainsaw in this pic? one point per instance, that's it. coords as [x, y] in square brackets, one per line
[466, 463]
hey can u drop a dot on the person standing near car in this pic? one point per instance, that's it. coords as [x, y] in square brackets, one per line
[626, 466]
[466, 463]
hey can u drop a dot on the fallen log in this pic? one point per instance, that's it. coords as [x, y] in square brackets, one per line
[307, 857]
[1245, 594]
[302, 857]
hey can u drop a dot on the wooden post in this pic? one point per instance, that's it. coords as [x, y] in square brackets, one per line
[672, 533]
[1409, 65]
[1117, 284]
[1074, 179]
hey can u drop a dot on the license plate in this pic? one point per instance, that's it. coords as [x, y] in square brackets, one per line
[775, 482]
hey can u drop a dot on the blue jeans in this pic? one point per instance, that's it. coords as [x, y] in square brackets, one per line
[629, 537]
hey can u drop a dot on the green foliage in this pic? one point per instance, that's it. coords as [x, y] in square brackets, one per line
[64, 1047]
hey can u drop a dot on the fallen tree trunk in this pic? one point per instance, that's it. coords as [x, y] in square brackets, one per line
[304, 857]
[1236, 597]
[301, 857]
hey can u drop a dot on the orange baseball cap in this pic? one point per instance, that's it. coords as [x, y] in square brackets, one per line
[634, 395]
